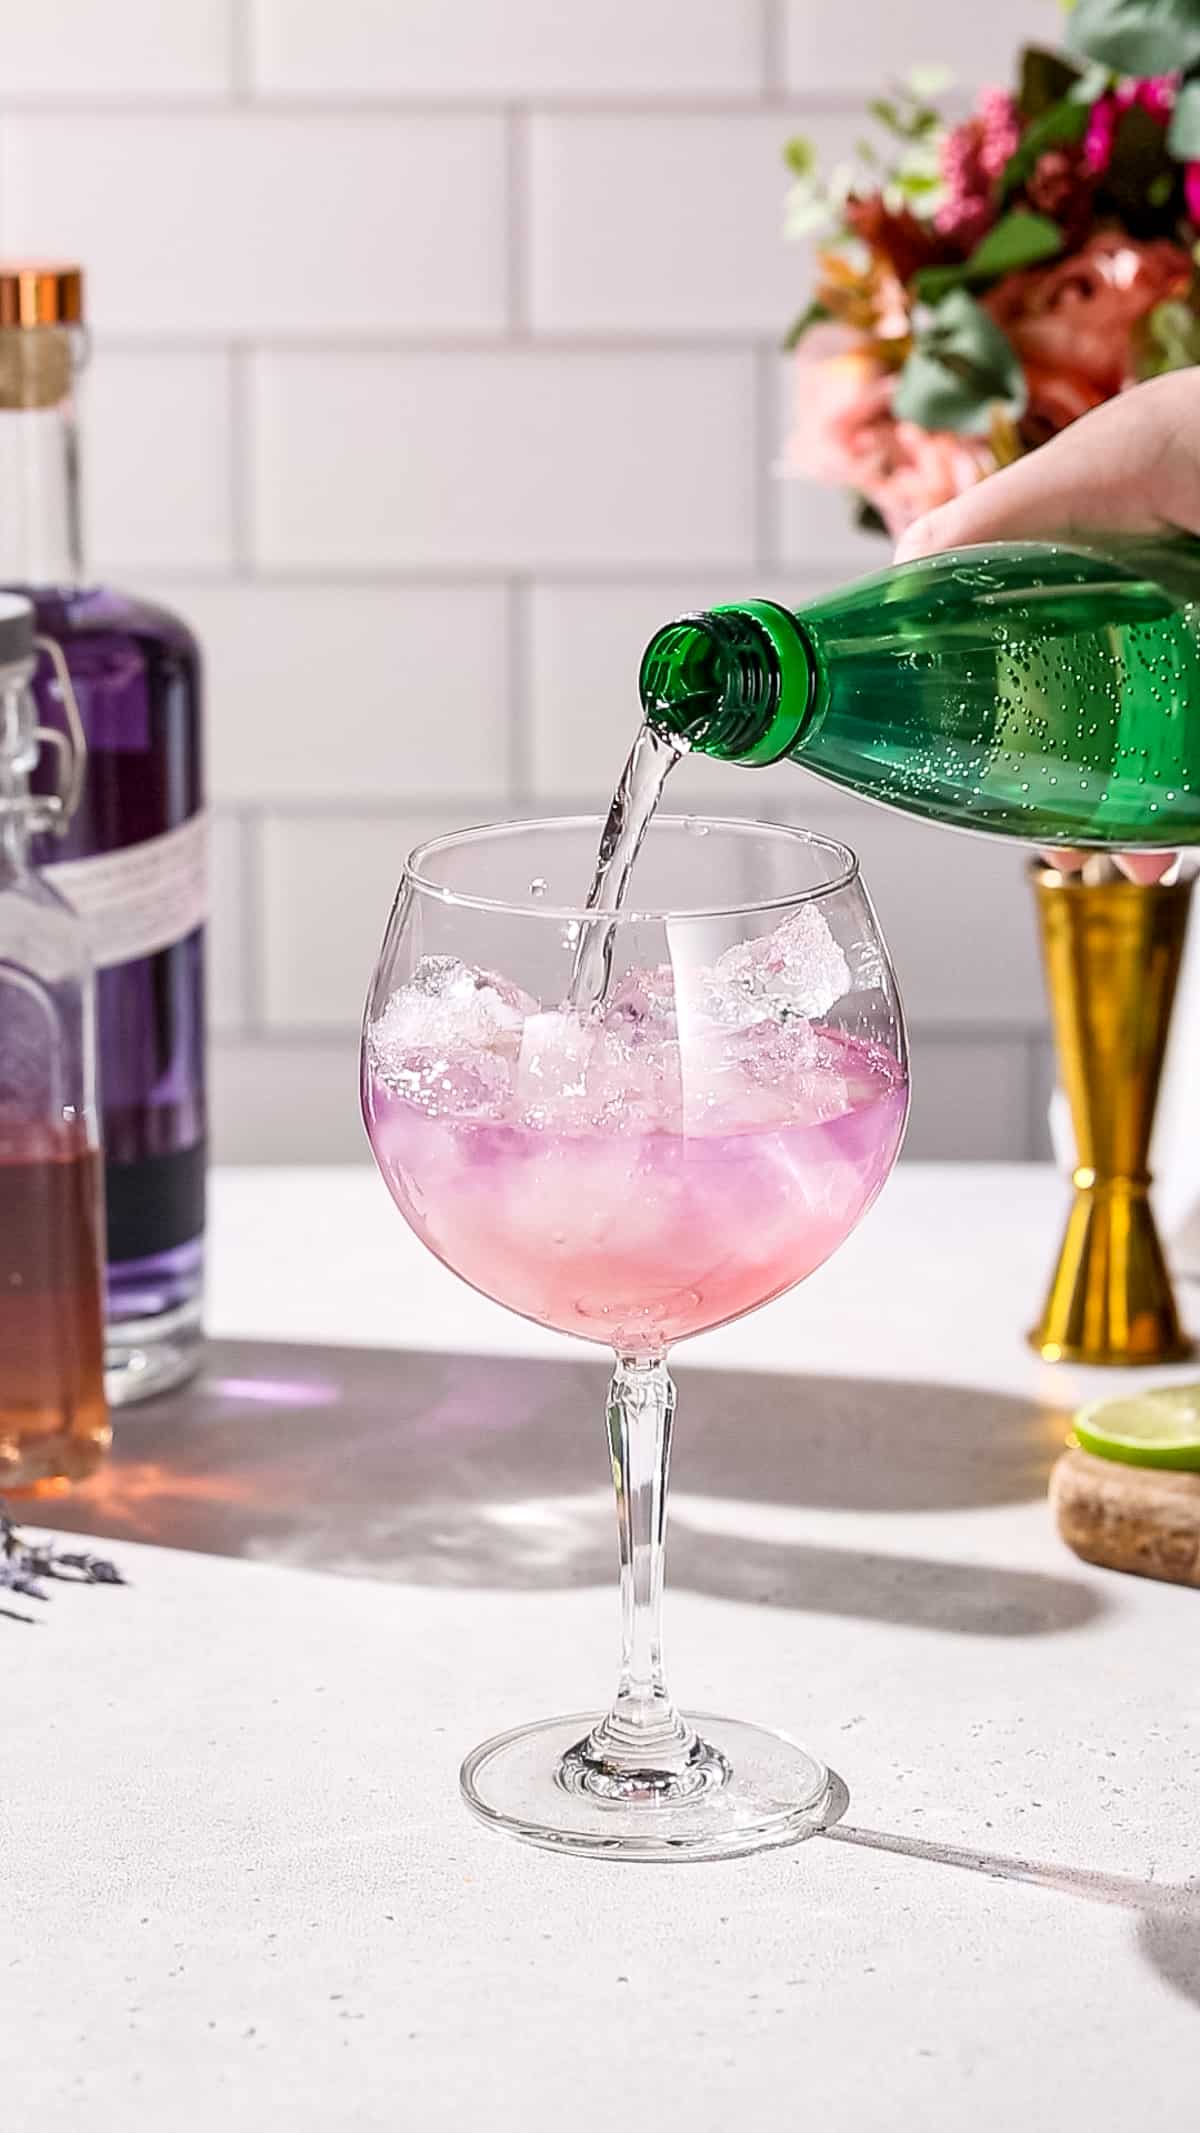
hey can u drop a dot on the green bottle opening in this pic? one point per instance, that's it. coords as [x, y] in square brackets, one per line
[1039, 690]
[735, 682]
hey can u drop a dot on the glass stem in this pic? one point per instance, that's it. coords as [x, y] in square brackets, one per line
[643, 1733]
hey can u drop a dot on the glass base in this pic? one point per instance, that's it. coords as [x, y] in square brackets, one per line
[753, 1790]
[147, 1356]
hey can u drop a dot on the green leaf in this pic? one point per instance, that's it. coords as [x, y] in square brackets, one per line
[800, 156]
[1170, 339]
[961, 366]
[1138, 37]
[927, 82]
[866, 517]
[1139, 158]
[1183, 133]
[807, 212]
[810, 316]
[913, 125]
[1093, 82]
[1019, 239]
[1045, 79]
[1064, 121]
[932, 283]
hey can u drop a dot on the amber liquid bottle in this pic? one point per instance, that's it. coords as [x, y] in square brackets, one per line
[54, 1425]
[132, 861]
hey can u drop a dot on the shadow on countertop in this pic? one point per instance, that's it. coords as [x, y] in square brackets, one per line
[1167, 1913]
[470, 1471]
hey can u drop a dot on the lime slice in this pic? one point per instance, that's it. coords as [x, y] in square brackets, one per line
[1147, 1429]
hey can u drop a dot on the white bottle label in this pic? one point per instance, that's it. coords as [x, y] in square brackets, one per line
[144, 898]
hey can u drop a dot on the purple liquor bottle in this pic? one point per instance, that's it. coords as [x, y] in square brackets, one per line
[133, 862]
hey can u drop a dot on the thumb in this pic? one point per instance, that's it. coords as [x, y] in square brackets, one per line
[928, 534]
[1034, 498]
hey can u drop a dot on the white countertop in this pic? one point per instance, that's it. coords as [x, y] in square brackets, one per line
[240, 1890]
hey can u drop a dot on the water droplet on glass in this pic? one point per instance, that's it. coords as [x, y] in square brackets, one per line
[538, 886]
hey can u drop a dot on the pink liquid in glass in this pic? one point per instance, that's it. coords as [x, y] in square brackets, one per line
[652, 1196]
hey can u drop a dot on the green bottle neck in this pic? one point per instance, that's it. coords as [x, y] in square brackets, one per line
[740, 683]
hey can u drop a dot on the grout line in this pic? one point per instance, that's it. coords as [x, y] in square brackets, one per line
[396, 342]
[766, 452]
[773, 51]
[520, 708]
[517, 221]
[247, 100]
[303, 1036]
[254, 955]
[1036, 1126]
[368, 807]
[241, 51]
[336, 577]
[241, 514]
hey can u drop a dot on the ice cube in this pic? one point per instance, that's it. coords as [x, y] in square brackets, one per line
[771, 1051]
[474, 1084]
[795, 972]
[449, 1006]
[634, 1081]
[551, 1070]
[643, 1000]
[436, 975]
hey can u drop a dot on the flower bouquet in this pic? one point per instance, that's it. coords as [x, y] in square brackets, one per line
[982, 283]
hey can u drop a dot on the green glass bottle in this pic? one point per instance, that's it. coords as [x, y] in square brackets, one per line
[1046, 691]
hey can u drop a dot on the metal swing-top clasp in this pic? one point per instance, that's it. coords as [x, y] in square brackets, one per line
[57, 808]
[21, 737]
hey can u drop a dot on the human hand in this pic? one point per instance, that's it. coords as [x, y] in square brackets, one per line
[1131, 466]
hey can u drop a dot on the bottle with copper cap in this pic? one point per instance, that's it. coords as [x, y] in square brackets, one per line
[53, 1416]
[132, 859]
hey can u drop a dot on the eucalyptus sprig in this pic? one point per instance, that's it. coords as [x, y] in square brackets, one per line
[901, 165]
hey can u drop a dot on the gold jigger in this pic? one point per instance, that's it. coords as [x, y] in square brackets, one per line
[1112, 950]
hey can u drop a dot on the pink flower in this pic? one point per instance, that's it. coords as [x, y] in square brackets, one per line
[920, 469]
[844, 431]
[842, 391]
[1076, 317]
[1191, 190]
[972, 157]
[1101, 133]
[1055, 398]
[965, 211]
[999, 130]
[1156, 95]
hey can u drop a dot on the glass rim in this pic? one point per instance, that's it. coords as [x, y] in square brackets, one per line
[849, 870]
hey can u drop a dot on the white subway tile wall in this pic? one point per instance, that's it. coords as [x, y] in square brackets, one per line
[267, 222]
[507, 458]
[159, 477]
[510, 50]
[342, 694]
[856, 47]
[436, 360]
[228, 972]
[684, 223]
[60, 49]
[325, 888]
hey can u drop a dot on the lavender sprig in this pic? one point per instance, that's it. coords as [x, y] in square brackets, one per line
[24, 1563]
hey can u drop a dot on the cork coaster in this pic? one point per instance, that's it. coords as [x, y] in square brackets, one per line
[1139, 1518]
